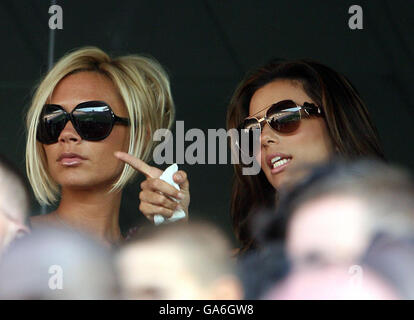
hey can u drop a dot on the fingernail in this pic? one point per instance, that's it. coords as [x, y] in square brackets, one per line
[178, 176]
[181, 195]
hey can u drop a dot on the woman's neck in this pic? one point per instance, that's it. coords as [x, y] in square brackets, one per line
[94, 212]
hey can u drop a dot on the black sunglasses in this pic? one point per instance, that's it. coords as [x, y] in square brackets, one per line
[92, 120]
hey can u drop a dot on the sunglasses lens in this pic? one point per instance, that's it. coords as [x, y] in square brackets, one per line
[93, 122]
[284, 117]
[51, 123]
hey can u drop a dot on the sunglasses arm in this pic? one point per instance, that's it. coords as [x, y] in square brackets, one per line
[123, 121]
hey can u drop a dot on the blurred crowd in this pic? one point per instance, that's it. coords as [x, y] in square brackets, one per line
[345, 231]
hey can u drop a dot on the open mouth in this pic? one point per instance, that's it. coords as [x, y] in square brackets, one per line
[279, 161]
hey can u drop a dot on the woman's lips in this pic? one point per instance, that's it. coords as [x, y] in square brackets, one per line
[277, 162]
[280, 167]
[70, 159]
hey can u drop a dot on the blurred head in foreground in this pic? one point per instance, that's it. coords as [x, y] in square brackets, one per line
[260, 270]
[14, 204]
[333, 283]
[181, 261]
[333, 214]
[393, 259]
[57, 264]
[383, 272]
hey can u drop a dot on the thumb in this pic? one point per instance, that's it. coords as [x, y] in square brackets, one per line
[180, 177]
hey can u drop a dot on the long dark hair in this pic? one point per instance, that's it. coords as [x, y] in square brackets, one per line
[349, 125]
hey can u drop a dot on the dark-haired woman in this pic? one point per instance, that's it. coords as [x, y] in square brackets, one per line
[307, 113]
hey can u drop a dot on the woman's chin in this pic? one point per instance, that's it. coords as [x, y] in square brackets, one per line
[86, 182]
[288, 178]
[281, 181]
[275, 180]
[78, 182]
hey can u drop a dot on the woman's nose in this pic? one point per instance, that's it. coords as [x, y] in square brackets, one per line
[268, 136]
[69, 134]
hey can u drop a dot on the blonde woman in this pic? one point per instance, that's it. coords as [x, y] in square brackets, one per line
[87, 108]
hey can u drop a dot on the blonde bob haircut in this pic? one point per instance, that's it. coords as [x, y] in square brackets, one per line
[145, 89]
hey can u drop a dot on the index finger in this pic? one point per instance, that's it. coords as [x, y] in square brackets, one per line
[139, 165]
